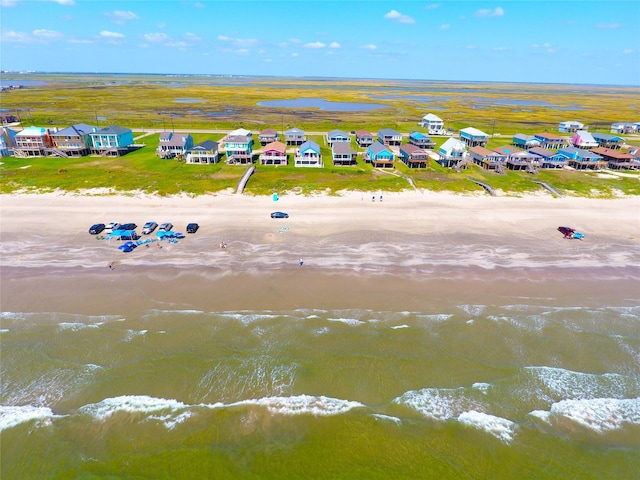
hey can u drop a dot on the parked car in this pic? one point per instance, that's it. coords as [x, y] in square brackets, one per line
[279, 215]
[149, 227]
[127, 247]
[165, 227]
[96, 229]
[111, 227]
[128, 226]
[192, 228]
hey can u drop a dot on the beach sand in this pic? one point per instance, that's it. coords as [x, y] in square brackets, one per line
[357, 253]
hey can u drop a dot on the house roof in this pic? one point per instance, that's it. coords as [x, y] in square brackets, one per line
[269, 131]
[430, 117]
[578, 152]
[111, 130]
[207, 145]
[543, 152]
[294, 131]
[388, 132]
[377, 148]
[474, 132]
[277, 146]
[170, 138]
[342, 148]
[485, 152]
[363, 134]
[236, 139]
[524, 137]
[411, 149]
[310, 145]
[77, 129]
[585, 136]
[606, 152]
[419, 135]
[453, 145]
[606, 137]
[507, 150]
[240, 131]
[31, 131]
[573, 123]
[548, 136]
[337, 133]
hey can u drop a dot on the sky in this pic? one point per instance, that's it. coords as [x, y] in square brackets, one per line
[575, 42]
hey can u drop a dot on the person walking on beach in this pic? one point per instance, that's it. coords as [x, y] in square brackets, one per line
[300, 262]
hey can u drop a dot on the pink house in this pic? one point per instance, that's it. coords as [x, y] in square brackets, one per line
[583, 139]
[274, 153]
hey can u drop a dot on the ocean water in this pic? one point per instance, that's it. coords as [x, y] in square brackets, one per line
[518, 388]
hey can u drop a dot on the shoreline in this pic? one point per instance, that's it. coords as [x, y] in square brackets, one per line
[411, 249]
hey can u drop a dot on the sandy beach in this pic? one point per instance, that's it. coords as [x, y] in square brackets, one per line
[356, 252]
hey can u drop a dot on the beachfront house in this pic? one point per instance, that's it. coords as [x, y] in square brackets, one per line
[388, 136]
[622, 128]
[549, 140]
[607, 140]
[111, 141]
[343, 154]
[239, 149]
[421, 140]
[7, 141]
[549, 158]
[379, 155]
[364, 138]
[433, 124]
[488, 159]
[274, 153]
[582, 159]
[173, 144]
[308, 155]
[583, 139]
[473, 137]
[618, 160]
[73, 141]
[267, 136]
[32, 142]
[451, 153]
[335, 136]
[294, 136]
[525, 141]
[570, 126]
[203, 152]
[413, 156]
[517, 159]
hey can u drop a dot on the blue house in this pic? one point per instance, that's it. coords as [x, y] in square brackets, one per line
[421, 140]
[379, 155]
[337, 136]
[549, 158]
[294, 136]
[239, 149]
[112, 141]
[582, 159]
[473, 137]
[308, 155]
[7, 141]
[549, 140]
[451, 152]
[607, 141]
[204, 152]
[73, 141]
[525, 142]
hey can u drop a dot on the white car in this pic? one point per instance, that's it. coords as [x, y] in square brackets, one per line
[165, 227]
[111, 227]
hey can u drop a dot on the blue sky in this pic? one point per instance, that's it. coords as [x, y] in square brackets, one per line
[592, 42]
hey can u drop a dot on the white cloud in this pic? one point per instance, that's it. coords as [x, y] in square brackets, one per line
[432, 6]
[370, 46]
[198, 5]
[608, 26]
[499, 49]
[108, 34]
[334, 45]
[445, 26]
[399, 17]
[121, 16]
[13, 36]
[8, 3]
[314, 45]
[295, 54]
[627, 51]
[156, 37]
[470, 47]
[46, 34]
[239, 42]
[486, 12]
[192, 37]
[64, 2]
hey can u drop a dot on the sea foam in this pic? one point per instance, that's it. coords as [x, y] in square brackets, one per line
[10, 416]
[303, 404]
[500, 428]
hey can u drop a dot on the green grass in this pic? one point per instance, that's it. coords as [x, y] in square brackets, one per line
[138, 103]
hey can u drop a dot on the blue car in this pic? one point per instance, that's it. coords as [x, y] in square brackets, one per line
[127, 247]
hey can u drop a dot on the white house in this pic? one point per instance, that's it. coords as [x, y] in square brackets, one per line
[433, 124]
[308, 155]
[570, 126]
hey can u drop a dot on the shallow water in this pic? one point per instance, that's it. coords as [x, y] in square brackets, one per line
[515, 387]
